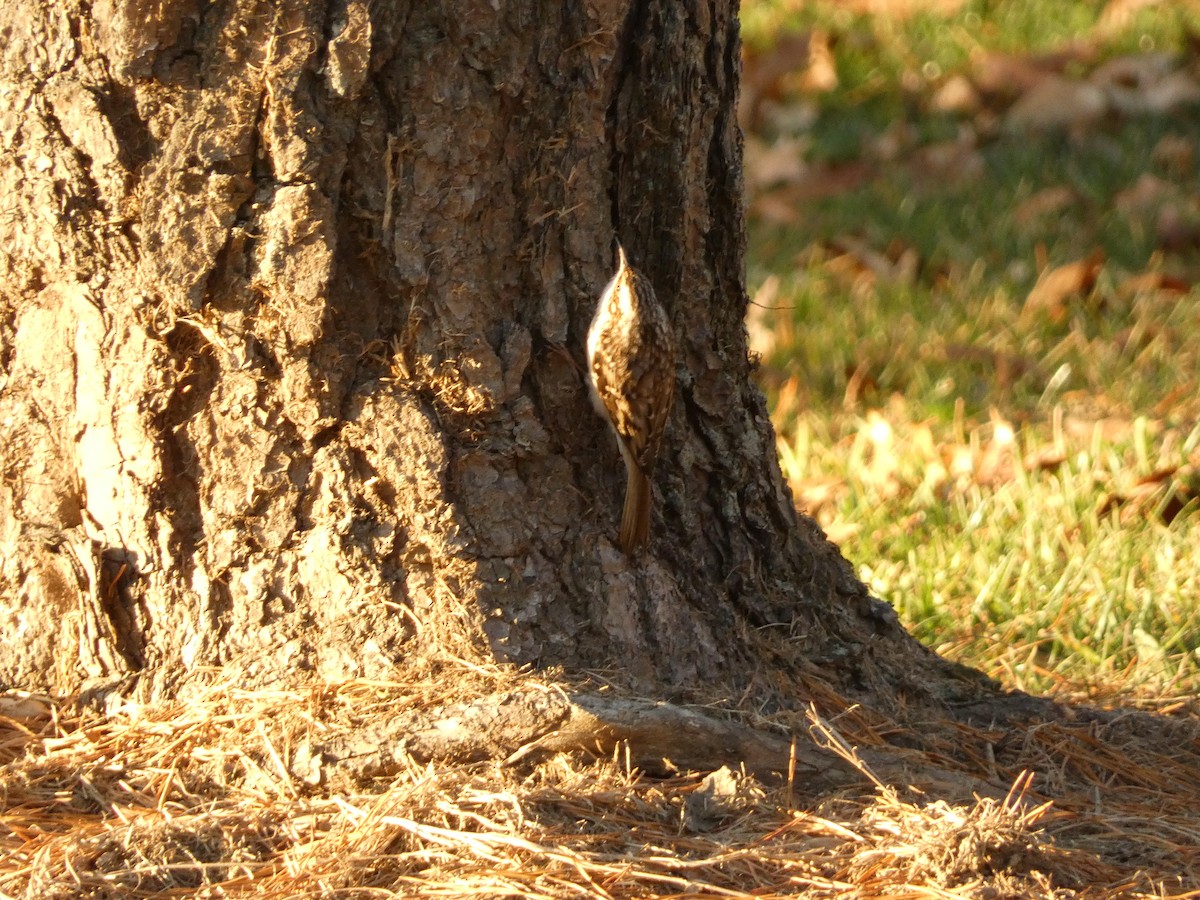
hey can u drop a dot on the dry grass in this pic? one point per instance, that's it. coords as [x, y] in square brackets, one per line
[221, 795]
[979, 337]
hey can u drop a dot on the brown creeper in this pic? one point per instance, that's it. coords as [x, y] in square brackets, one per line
[631, 364]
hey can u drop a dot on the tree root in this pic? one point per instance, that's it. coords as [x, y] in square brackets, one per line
[523, 725]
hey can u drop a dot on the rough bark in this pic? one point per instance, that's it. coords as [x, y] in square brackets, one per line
[292, 308]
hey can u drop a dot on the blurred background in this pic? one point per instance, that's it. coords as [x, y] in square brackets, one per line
[974, 266]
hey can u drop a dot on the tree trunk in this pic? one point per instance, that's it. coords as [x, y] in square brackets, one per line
[292, 318]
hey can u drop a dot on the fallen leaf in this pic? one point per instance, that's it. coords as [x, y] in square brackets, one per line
[1056, 286]
[1144, 83]
[957, 95]
[1176, 154]
[783, 205]
[819, 75]
[1047, 459]
[1009, 75]
[859, 381]
[779, 162]
[1177, 90]
[792, 395]
[795, 116]
[1181, 394]
[775, 208]
[1149, 283]
[1177, 229]
[839, 531]
[1166, 491]
[955, 162]
[1133, 71]
[1146, 194]
[851, 270]
[1058, 103]
[1110, 429]
[795, 63]
[897, 265]
[1045, 202]
[813, 496]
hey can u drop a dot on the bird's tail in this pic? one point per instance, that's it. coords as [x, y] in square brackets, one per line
[635, 518]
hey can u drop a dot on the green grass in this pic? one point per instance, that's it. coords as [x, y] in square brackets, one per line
[975, 459]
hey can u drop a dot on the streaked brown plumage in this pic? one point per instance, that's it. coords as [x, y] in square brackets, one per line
[631, 368]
